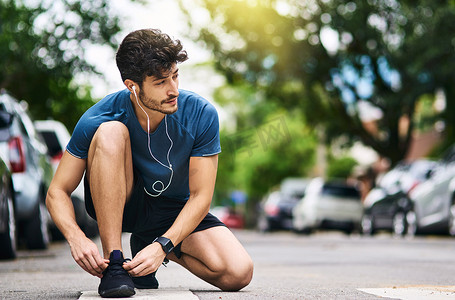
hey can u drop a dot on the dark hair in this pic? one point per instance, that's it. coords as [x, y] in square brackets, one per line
[148, 52]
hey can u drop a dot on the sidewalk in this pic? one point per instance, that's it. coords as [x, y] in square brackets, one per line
[174, 280]
[161, 294]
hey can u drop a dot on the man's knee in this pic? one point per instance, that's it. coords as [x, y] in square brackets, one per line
[237, 276]
[110, 137]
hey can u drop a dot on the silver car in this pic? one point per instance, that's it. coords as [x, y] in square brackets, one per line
[22, 148]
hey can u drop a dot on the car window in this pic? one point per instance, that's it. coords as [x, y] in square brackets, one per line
[51, 140]
[449, 155]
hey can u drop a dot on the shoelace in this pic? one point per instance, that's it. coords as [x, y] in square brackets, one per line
[116, 268]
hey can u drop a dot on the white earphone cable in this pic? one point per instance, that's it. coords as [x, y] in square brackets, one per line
[163, 187]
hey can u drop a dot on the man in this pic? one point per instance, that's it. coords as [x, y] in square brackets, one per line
[150, 155]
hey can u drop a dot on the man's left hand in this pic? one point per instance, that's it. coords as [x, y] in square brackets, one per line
[146, 261]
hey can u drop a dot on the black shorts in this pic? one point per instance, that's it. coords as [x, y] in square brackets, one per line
[149, 217]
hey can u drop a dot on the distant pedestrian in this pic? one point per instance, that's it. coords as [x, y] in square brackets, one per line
[150, 156]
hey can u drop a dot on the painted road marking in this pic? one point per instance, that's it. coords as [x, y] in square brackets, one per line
[419, 292]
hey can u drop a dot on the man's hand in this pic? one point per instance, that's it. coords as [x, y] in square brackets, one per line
[86, 254]
[146, 261]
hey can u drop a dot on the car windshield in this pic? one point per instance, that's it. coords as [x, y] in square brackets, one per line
[294, 188]
[341, 191]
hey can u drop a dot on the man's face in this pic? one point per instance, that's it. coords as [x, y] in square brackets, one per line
[160, 94]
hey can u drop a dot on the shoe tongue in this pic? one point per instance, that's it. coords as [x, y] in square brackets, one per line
[116, 255]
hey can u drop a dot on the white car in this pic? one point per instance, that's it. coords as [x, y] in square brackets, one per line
[328, 205]
[57, 137]
[433, 201]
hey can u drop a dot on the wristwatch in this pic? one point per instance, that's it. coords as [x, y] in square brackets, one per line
[166, 244]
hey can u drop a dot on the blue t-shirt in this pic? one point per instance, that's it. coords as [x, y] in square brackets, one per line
[194, 130]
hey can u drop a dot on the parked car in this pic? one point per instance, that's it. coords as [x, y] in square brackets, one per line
[332, 204]
[56, 137]
[386, 205]
[275, 210]
[229, 217]
[8, 242]
[433, 209]
[23, 150]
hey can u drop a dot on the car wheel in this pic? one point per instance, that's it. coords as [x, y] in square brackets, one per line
[36, 229]
[411, 221]
[452, 220]
[367, 225]
[8, 240]
[399, 224]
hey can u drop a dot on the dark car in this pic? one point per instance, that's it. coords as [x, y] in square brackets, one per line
[25, 153]
[386, 206]
[7, 213]
[275, 211]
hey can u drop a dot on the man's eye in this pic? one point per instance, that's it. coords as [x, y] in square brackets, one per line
[160, 83]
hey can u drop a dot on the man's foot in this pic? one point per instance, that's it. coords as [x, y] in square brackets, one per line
[116, 281]
[142, 282]
[145, 282]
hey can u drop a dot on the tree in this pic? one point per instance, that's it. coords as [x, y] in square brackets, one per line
[332, 58]
[42, 48]
[267, 144]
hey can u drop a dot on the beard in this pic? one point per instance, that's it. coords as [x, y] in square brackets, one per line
[158, 105]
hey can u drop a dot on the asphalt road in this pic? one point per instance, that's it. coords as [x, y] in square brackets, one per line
[328, 265]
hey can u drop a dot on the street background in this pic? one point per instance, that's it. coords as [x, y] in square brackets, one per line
[350, 91]
[326, 265]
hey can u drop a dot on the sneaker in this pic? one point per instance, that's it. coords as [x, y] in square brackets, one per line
[116, 282]
[142, 282]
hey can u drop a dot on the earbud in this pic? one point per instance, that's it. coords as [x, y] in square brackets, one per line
[133, 87]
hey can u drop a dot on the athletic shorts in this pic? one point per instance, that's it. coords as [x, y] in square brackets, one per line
[150, 217]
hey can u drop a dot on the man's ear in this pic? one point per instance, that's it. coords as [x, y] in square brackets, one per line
[131, 85]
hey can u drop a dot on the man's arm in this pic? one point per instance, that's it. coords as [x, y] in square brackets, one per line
[202, 177]
[67, 177]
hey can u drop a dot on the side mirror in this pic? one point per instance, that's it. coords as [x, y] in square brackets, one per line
[5, 119]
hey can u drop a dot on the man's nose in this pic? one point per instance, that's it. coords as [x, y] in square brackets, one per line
[173, 89]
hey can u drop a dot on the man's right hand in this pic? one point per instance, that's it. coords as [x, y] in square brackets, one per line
[86, 255]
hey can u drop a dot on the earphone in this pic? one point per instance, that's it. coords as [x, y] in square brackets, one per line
[163, 188]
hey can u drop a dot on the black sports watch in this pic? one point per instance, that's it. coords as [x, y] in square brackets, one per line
[166, 244]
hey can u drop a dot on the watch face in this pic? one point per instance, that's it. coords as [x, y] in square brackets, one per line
[166, 244]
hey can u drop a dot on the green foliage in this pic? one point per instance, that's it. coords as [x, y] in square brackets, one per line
[340, 167]
[267, 145]
[328, 57]
[42, 48]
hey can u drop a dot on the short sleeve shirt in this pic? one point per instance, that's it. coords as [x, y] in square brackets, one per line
[191, 131]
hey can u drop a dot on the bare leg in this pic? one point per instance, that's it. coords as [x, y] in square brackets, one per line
[110, 174]
[216, 256]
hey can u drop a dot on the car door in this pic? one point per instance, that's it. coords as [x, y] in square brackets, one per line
[436, 205]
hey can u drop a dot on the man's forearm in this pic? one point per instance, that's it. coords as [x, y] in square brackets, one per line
[189, 218]
[61, 209]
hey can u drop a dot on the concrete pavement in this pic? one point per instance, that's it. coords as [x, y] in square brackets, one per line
[287, 266]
